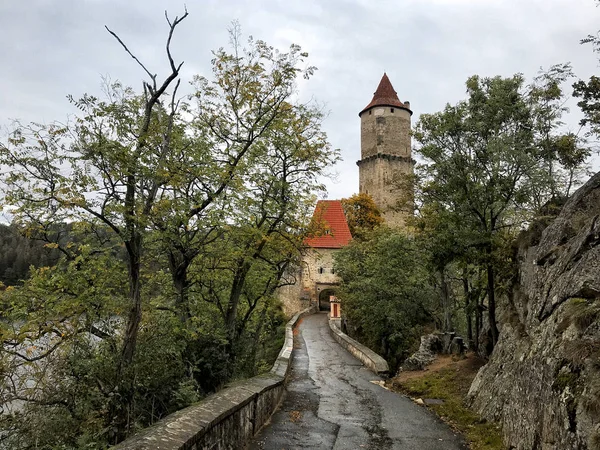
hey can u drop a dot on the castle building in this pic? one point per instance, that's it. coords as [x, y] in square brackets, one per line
[319, 277]
[385, 173]
[386, 166]
[316, 280]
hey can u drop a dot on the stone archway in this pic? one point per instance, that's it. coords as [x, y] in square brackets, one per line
[324, 299]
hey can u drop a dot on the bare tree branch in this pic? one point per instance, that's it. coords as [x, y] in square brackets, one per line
[172, 28]
[153, 77]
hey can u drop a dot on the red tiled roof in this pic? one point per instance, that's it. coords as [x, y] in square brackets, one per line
[385, 95]
[333, 231]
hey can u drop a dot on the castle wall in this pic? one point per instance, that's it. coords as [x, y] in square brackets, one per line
[384, 131]
[388, 181]
[319, 258]
[386, 167]
[305, 292]
[292, 296]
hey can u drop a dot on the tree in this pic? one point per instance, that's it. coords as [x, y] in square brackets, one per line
[488, 157]
[589, 93]
[194, 207]
[362, 214]
[235, 120]
[252, 160]
[109, 174]
[386, 292]
[446, 241]
[562, 153]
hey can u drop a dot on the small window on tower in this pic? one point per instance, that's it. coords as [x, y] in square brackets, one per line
[369, 112]
[320, 270]
[391, 109]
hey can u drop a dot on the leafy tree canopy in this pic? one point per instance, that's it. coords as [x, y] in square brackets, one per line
[362, 214]
[386, 291]
[184, 214]
[491, 161]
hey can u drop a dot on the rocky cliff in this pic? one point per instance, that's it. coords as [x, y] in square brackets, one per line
[542, 382]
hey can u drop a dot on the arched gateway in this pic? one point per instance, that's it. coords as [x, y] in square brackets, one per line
[324, 299]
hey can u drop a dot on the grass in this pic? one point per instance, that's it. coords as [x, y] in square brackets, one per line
[449, 381]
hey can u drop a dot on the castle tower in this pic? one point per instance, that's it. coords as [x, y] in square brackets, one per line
[386, 154]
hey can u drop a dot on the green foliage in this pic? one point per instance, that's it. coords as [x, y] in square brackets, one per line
[481, 151]
[589, 93]
[362, 214]
[386, 292]
[561, 155]
[61, 336]
[184, 215]
[491, 162]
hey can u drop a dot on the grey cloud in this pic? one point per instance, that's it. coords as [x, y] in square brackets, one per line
[51, 48]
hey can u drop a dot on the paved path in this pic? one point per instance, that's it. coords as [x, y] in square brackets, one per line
[332, 404]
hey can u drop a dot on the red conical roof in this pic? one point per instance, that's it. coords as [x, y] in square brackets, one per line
[331, 224]
[385, 95]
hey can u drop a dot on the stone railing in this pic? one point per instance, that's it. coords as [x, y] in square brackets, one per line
[364, 354]
[226, 419]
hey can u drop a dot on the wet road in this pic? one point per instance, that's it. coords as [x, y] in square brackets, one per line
[332, 404]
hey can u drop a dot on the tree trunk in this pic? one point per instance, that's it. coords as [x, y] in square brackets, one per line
[251, 361]
[234, 300]
[133, 244]
[178, 266]
[135, 312]
[243, 267]
[446, 303]
[121, 405]
[478, 321]
[491, 297]
[468, 308]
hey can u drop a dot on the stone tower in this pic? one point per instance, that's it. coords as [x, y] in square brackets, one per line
[385, 152]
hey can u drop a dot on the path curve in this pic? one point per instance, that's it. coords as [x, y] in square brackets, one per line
[331, 403]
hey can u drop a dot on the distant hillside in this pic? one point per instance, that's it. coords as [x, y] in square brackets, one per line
[17, 253]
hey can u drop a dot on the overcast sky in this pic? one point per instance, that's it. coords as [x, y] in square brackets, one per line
[51, 48]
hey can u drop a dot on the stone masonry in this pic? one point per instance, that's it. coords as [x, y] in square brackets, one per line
[315, 279]
[386, 166]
